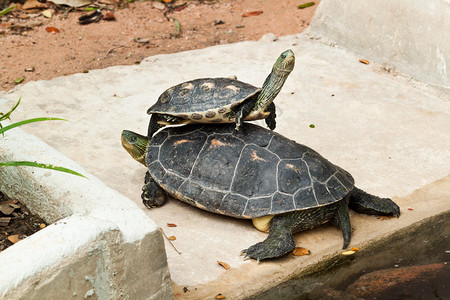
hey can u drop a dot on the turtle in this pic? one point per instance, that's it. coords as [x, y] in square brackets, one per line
[254, 173]
[221, 100]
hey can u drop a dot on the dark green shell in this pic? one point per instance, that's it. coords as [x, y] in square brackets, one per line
[246, 174]
[202, 95]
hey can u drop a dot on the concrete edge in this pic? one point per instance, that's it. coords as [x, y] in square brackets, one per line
[393, 250]
[84, 210]
[396, 45]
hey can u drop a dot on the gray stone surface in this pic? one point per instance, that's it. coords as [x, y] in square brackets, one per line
[407, 35]
[97, 244]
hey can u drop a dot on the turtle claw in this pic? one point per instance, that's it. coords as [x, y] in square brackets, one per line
[245, 254]
[257, 252]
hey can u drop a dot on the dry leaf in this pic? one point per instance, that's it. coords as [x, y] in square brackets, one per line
[224, 264]
[109, 16]
[349, 252]
[171, 238]
[384, 217]
[29, 4]
[6, 208]
[355, 249]
[220, 296]
[364, 61]
[52, 29]
[42, 226]
[252, 13]
[15, 238]
[300, 251]
[72, 3]
[47, 13]
[159, 5]
[171, 225]
[409, 208]
[4, 221]
[180, 7]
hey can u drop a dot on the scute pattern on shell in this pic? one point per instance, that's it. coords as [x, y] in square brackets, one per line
[246, 174]
[201, 95]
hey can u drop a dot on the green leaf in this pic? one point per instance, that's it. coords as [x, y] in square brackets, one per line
[2, 130]
[39, 165]
[19, 80]
[312, 126]
[6, 116]
[7, 10]
[177, 27]
[305, 5]
[89, 8]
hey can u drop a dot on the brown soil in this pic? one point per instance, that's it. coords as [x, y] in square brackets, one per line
[140, 29]
[16, 222]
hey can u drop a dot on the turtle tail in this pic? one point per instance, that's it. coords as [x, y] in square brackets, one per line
[366, 203]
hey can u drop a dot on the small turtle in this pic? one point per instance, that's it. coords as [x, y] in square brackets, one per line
[221, 100]
[253, 173]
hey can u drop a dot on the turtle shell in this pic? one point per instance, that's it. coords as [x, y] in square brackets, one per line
[209, 97]
[245, 174]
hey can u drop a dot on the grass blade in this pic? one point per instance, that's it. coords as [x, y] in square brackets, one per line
[39, 165]
[6, 116]
[11, 126]
[7, 10]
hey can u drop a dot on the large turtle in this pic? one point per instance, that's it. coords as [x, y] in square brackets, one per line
[253, 173]
[221, 100]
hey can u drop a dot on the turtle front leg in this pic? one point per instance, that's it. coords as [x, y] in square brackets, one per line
[270, 120]
[152, 194]
[242, 112]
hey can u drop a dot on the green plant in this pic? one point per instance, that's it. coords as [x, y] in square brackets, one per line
[7, 10]
[29, 163]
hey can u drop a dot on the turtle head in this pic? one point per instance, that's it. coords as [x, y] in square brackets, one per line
[276, 79]
[285, 62]
[135, 144]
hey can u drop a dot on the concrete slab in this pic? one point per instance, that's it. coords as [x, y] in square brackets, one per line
[96, 244]
[405, 35]
[390, 133]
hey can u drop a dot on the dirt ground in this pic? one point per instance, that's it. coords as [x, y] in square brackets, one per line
[31, 49]
[16, 222]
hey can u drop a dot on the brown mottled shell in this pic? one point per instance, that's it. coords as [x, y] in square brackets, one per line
[206, 98]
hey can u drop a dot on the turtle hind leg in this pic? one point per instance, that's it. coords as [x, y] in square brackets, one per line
[365, 203]
[280, 241]
[152, 194]
[154, 126]
[242, 111]
[342, 219]
[270, 120]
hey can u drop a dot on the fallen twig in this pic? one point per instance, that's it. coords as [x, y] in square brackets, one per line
[112, 49]
[179, 253]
